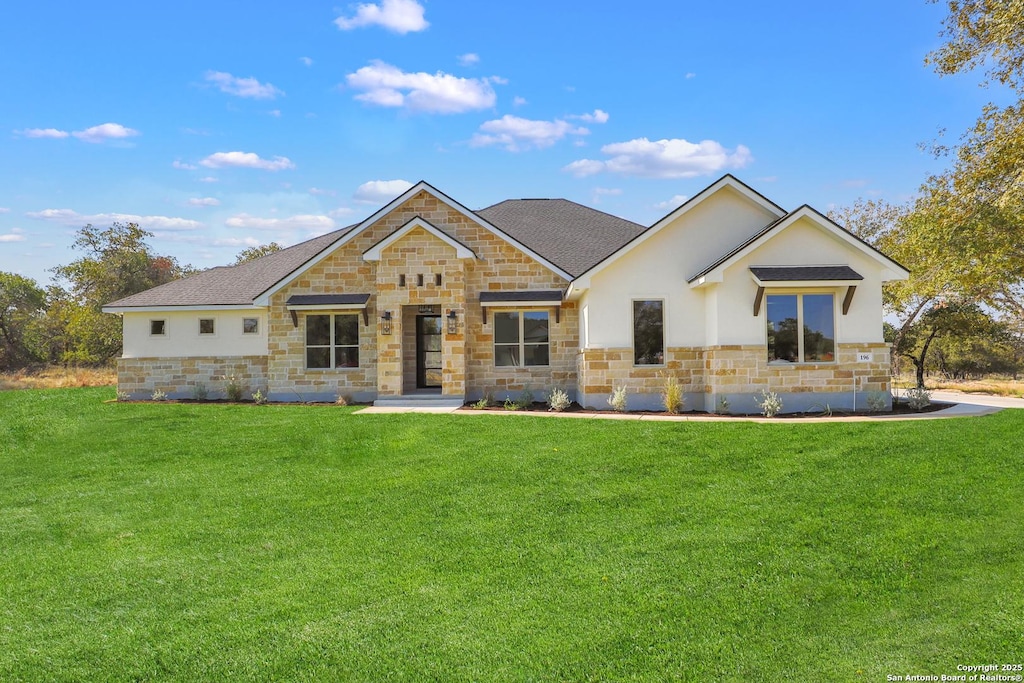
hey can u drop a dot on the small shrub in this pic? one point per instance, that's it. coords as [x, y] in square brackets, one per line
[510, 404]
[259, 398]
[158, 395]
[876, 401]
[918, 398]
[771, 404]
[672, 395]
[122, 395]
[525, 400]
[618, 399]
[343, 400]
[233, 389]
[723, 405]
[199, 392]
[484, 403]
[558, 400]
[825, 409]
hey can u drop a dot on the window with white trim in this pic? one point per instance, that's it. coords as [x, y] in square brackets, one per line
[206, 326]
[521, 338]
[332, 341]
[158, 328]
[649, 332]
[801, 328]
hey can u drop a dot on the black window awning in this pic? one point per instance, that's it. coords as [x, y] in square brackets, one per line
[804, 273]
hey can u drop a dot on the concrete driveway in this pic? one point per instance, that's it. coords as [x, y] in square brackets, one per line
[978, 399]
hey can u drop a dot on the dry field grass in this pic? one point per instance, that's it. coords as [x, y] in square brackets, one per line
[57, 377]
[998, 385]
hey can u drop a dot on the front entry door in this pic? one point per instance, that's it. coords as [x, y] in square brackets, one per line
[428, 351]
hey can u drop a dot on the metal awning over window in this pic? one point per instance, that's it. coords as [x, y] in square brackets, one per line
[529, 298]
[805, 276]
[327, 302]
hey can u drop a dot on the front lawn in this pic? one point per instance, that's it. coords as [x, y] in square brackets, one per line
[238, 542]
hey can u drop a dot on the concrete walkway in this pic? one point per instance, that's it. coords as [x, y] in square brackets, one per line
[960, 405]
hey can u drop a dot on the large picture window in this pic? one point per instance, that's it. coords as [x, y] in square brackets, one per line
[332, 341]
[649, 332]
[521, 338]
[801, 328]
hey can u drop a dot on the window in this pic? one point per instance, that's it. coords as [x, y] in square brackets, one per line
[437, 279]
[521, 338]
[649, 332]
[801, 328]
[332, 341]
[157, 328]
[419, 280]
[250, 325]
[401, 281]
[206, 326]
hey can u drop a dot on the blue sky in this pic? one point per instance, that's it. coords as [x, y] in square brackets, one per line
[218, 126]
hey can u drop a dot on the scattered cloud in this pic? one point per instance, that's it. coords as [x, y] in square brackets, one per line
[242, 87]
[340, 212]
[380, 191]
[182, 166]
[104, 132]
[385, 85]
[204, 201]
[246, 160]
[676, 158]
[276, 113]
[306, 60]
[244, 220]
[12, 237]
[518, 101]
[468, 59]
[671, 204]
[4, 209]
[516, 134]
[597, 117]
[397, 16]
[71, 217]
[236, 242]
[321, 191]
[690, 74]
[51, 133]
[600, 192]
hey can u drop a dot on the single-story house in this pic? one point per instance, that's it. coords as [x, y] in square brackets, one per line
[729, 293]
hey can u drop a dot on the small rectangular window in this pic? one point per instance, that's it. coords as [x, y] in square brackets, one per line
[158, 328]
[250, 325]
[648, 332]
[801, 328]
[206, 326]
[437, 279]
[401, 281]
[419, 280]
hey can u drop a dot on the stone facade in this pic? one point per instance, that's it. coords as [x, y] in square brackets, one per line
[179, 377]
[603, 370]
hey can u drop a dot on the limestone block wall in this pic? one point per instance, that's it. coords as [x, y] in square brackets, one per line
[602, 370]
[740, 373]
[178, 377]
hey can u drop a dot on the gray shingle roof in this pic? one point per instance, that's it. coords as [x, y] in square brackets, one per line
[804, 273]
[524, 295]
[232, 285]
[326, 299]
[572, 236]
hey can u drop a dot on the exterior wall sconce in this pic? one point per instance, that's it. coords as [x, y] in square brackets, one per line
[385, 323]
[453, 321]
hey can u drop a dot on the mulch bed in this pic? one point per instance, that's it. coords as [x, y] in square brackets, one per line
[898, 408]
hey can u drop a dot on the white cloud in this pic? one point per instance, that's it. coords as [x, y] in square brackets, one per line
[676, 158]
[306, 60]
[104, 132]
[51, 133]
[204, 201]
[340, 212]
[388, 86]
[380, 191]
[321, 191]
[518, 101]
[690, 74]
[468, 59]
[236, 242]
[515, 133]
[14, 235]
[182, 166]
[71, 217]
[246, 160]
[398, 16]
[276, 113]
[4, 209]
[244, 220]
[597, 117]
[670, 204]
[242, 87]
[600, 192]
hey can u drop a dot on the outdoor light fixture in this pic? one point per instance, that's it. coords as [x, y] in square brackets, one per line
[453, 321]
[385, 323]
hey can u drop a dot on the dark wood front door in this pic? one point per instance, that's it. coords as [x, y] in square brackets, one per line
[428, 352]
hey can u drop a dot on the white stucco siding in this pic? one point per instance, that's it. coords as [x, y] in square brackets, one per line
[801, 244]
[181, 338]
[658, 268]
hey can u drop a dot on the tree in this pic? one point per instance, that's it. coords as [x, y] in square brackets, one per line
[22, 305]
[253, 253]
[117, 263]
[956, 319]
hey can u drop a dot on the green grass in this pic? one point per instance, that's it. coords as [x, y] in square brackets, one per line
[227, 542]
